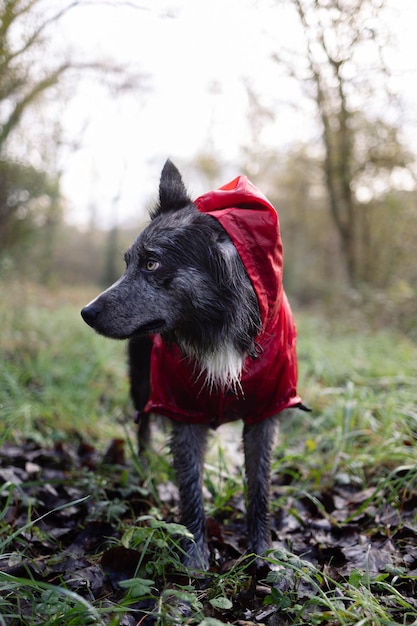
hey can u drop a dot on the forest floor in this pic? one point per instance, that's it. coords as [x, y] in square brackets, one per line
[89, 534]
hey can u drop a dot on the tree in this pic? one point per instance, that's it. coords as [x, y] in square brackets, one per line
[27, 197]
[343, 72]
[23, 81]
[30, 200]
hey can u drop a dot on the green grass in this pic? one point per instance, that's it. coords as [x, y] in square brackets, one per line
[56, 375]
[361, 386]
[58, 380]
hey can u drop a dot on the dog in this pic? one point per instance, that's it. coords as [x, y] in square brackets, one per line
[211, 337]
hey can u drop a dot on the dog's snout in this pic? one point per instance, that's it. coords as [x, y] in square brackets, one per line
[90, 313]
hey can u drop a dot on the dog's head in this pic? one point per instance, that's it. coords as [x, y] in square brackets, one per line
[181, 278]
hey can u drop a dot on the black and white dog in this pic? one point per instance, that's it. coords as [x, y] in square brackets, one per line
[212, 337]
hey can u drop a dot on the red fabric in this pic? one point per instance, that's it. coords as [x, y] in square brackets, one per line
[268, 381]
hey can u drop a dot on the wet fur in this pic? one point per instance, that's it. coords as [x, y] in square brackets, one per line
[185, 280]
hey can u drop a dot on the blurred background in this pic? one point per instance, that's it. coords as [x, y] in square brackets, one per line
[314, 100]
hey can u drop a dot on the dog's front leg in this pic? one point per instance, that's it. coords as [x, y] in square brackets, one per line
[258, 443]
[188, 445]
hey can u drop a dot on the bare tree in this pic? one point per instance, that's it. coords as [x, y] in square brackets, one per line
[343, 71]
[29, 71]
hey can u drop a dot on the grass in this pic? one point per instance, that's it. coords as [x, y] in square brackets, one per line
[57, 376]
[58, 380]
[362, 386]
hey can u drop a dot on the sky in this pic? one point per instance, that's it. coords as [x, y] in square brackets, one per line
[195, 58]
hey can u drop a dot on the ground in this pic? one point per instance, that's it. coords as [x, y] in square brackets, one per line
[90, 535]
[69, 517]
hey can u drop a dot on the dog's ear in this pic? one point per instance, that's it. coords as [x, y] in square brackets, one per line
[172, 192]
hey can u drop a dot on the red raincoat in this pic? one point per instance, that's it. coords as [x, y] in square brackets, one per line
[269, 381]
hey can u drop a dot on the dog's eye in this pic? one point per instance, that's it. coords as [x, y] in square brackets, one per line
[151, 266]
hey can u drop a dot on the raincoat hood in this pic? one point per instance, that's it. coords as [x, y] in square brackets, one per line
[251, 222]
[268, 383]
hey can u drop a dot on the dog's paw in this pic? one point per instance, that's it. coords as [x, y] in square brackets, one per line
[196, 559]
[263, 567]
[280, 577]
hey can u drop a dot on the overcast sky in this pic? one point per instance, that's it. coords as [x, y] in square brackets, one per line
[196, 56]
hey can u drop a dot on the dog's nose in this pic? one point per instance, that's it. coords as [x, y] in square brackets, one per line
[90, 313]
